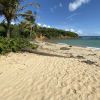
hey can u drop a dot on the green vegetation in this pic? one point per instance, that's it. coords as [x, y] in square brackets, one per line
[54, 33]
[16, 37]
[8, 8]
[25, 30]
[11, 10]
[27, 25]
[14, 45]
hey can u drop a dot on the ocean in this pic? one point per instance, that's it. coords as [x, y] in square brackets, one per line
[83, 41]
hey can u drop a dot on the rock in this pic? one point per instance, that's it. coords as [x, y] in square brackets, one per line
[70, 45]
[91, 54]
[64, 48]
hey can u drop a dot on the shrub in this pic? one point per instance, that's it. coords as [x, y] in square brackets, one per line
[14, 45]
[24, 33]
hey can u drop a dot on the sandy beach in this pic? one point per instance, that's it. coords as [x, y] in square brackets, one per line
[73, 76]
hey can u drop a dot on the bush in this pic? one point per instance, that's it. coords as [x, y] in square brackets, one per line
[25, 33]
[14, 45]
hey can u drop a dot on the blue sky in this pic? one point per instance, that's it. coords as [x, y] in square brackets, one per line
[81, 16]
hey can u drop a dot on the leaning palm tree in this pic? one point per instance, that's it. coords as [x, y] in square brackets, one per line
[10, 10]
[29, 21]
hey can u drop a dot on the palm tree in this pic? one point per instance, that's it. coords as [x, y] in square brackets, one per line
[29, 21]
[10, 8]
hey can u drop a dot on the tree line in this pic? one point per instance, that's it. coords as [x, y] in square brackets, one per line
[54, 33]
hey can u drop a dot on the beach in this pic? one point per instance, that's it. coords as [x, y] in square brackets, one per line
[71, 73]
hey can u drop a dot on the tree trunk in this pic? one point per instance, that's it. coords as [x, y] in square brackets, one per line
[8, 30]
[31, 31]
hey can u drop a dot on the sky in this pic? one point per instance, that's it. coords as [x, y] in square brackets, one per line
[81, 16]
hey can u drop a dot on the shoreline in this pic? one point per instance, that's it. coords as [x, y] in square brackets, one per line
[53, 42]
[70, 51]
[81, 42]
[82, 46]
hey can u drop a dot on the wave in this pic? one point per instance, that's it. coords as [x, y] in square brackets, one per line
[93, 48]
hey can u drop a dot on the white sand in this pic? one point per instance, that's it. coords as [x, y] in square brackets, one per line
[27, 76]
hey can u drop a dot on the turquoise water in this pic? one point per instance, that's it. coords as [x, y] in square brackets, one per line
[85, 41]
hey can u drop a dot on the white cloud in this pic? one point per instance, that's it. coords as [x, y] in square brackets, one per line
[69, 17]
[52, 9]
[44, 25]
[39, 24]
[70, 29]
[76, 4]
[13, 23]
[48, 26]
[66, 29]
[80, 32]
[60, 5]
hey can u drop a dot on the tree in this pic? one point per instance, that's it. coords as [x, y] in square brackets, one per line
[54, 33]
[29, 21]
[10, 9]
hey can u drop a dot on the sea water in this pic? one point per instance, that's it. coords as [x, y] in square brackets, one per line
[83, 41]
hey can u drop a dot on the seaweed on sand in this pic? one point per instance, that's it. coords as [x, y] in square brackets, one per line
[89, 62]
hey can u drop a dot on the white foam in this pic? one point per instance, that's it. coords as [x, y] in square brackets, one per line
[93, 48]
[63, 44]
